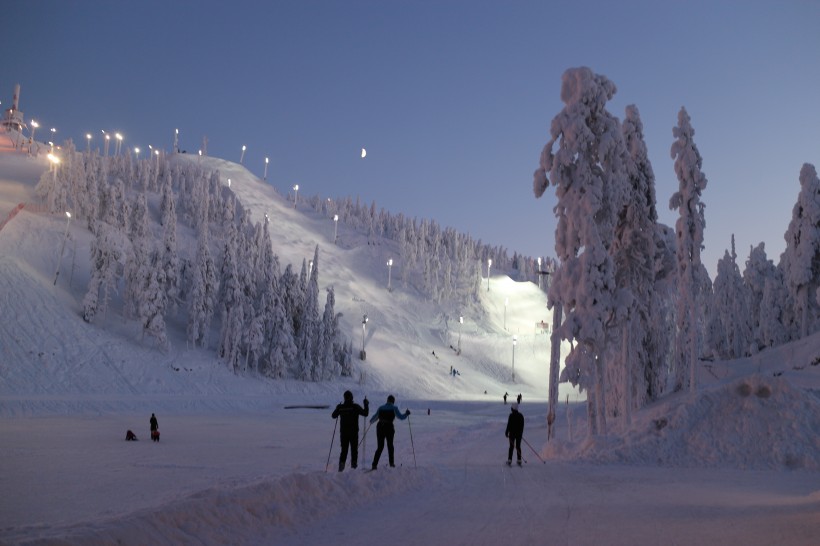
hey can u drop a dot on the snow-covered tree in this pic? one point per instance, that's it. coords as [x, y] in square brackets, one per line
[633, 251]
[689, 233]
[204, 292]
[801, 259]
[731, 325]
[589, 173]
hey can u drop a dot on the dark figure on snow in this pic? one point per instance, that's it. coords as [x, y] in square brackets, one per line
[130, 436]
[519, 398]
[386, 414]
[505, 398]
[349, 412]
[154, 428]
[515, 431]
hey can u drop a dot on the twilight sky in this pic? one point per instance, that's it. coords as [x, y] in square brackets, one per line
[451, 98]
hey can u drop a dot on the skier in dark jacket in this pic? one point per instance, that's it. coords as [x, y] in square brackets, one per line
[349, 413]
[386, 414]
[515, 431]
[154, 428]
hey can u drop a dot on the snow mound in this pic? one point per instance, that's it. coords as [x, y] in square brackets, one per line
[753, 423]
[271, 510]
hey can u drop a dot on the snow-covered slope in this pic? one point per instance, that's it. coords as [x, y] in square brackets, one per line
[51, 353]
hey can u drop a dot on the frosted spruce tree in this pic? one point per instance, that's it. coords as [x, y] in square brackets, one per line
[758, 269]
[633, 251]
[689, 234]
[730, 333]
[801, 259]
[588, 173]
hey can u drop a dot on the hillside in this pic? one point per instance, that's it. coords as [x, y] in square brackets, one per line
[409, 342]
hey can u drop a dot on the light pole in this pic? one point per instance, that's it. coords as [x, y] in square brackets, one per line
[295, 194]
[265, 177]
[119, 143]
[362, 355]
[489, 263]
[34, 126]
[515, 340]
[53, 138]
[62, 248]
[176, 141]
[137, 152]
[335, 228]
[107, 142]
[539, 273]
[242, 157]
[229, 183]
[389, 269]
[460, 325]
[506, 301]
[88, 142]
[156, 153]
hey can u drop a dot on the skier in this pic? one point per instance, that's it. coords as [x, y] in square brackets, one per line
[154, 428]
[349, 412]
[515, 431]
[386, 414]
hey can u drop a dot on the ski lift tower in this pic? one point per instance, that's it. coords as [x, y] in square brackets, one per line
[13, 118]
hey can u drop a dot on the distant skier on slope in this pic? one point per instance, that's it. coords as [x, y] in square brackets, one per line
[515, 431]
[349, 412]
[386, 414]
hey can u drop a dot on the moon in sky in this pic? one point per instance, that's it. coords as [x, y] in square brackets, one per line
[364, 153]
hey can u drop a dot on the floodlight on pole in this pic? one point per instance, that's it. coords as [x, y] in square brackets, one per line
[506, 302]
[53, 131]
[539, 273]
[176, 141]
[295, 194]
[242, 157]
[389, 269]
[137, 152]
[335, 227]
[364, 327]
[515, 340]
[88, 142]
[34, 126]
[460, 326]
[107, 142]
[62, 248]
[229, 183]
[265, 177]
[489, 263]
[119, 143]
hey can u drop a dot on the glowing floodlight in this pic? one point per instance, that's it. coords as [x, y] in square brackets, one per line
[364, 153]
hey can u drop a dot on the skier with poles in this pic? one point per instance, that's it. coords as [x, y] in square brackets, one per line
[349, 413]
[386, 414]
[515, 431]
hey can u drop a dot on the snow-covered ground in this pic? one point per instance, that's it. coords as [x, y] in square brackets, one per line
[736, 463]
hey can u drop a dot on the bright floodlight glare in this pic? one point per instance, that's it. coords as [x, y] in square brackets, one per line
[296, 187]
[119, 136]
[335, 217]
[68, 214]
[34, 124]
[364, 152]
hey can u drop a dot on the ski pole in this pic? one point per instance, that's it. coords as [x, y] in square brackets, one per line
[365, 434]
[411, 441]
[533, 450]
[331, 443]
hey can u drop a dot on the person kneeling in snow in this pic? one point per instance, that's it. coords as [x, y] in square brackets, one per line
[130, 437]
